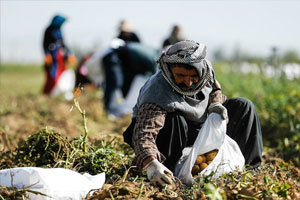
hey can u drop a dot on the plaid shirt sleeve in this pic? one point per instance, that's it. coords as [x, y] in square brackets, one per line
[216, 94]
[149, 120]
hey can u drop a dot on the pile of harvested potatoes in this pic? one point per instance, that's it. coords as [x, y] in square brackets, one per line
[203, 161]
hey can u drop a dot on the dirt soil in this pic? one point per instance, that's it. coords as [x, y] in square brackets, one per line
[22, 116]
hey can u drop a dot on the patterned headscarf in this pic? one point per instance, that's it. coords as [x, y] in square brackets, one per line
[190, 53]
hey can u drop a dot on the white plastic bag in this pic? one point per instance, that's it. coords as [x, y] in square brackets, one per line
[56, 183]
[65, 85]
[95, 70]
[124, 108]
[211, 136]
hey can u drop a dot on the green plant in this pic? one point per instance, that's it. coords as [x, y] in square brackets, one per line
[83, 137]
[43, 149]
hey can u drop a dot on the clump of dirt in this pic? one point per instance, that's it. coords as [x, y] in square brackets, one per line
[12, 193]
[274, 179]
[136, 190]
[6, 160]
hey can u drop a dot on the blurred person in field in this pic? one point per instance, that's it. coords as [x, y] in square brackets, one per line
[175, 36]
[57, 55]
[126, 33]
[123, 62]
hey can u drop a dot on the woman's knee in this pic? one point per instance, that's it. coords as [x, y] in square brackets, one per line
[240, 102]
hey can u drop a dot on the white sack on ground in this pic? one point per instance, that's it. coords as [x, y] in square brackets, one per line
[56, 183]
[211, 136]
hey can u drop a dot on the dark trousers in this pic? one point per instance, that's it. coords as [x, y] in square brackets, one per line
[178, 133]
[118, 75]
[114, 78]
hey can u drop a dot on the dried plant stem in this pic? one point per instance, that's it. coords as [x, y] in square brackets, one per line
[141, 191]
[82, 112]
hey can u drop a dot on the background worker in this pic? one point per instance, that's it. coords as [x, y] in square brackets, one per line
[57, 55]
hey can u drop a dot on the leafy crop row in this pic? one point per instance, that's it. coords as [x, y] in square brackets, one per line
[277, 101]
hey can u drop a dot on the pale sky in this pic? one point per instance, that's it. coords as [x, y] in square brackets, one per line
[253, 26]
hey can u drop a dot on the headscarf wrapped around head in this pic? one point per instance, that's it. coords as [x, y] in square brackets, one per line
[57, 21]
[190, 53]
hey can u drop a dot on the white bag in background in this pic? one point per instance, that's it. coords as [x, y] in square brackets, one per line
[124, 108]
[65, 85]
[56, 183]
[211, 136]
[95, 70]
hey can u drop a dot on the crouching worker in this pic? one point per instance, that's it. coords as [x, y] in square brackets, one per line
[173, 105]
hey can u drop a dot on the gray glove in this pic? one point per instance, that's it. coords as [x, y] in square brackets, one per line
[157, 173]
[220, 109]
